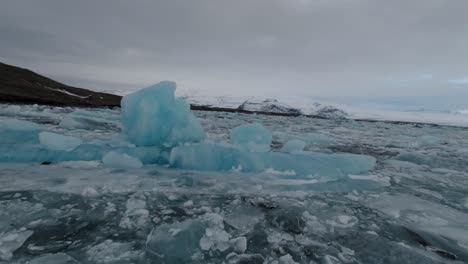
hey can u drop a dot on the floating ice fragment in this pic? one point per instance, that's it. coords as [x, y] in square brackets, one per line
[327, 259]
[244, 218]
[18, 125]
[169, 247]
[253, 136]
[293, 146]
[11, 241]
[188, 204]
[89, 192]
[121, 161]
[154, 117]
[114, 252]
[286, 259]
[136, 216]
[239, 244]
[58, 258]
[245, 258]
[14, 132]
[215, 238]
[343, 221]
[69, 122]
[59, 142]
[212, 157]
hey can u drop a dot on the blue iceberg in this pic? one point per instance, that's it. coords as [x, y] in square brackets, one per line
[154, 117]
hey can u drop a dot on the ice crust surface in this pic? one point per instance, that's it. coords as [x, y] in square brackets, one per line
[358, 192]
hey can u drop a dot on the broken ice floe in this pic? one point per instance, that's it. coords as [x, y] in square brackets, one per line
[161, 126]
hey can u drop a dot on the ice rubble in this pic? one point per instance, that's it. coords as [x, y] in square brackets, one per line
[177, 242]
[181, 242]
[154, 117]
[255, 137]
[114, 252]
[162, 130]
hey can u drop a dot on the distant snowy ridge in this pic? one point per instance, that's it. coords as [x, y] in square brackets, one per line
[309, 107]
[270, 106]
[327, 111]
[273, 106]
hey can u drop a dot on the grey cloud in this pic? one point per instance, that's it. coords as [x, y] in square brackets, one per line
[310, 47]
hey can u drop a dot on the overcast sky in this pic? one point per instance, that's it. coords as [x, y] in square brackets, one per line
[317, 48]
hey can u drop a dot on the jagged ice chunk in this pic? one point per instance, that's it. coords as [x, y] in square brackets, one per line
[154, 117]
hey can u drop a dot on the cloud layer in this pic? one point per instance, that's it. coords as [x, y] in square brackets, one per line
[271, 47]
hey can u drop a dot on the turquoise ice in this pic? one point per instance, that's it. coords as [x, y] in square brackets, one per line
[293, 146]
[121, 161]
[13, 131]
[217, 157]
[252, 136]
[154, 117]
[59, 142]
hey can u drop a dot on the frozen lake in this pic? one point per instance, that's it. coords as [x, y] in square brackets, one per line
[411, 207]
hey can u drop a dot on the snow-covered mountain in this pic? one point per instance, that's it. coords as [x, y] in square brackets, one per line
[270, 105]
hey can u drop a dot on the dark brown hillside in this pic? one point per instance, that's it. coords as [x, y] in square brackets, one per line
[18, 85]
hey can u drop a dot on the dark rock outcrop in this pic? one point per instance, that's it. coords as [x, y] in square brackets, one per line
[18, 85]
